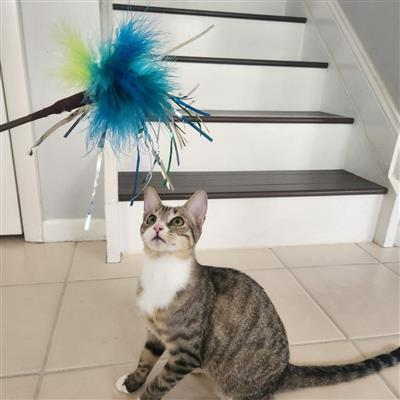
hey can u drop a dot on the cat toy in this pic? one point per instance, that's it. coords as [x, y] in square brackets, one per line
[126, 95]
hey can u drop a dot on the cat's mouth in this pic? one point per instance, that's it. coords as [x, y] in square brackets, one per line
[157, 239]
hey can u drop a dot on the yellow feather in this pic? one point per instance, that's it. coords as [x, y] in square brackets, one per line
[77, 58]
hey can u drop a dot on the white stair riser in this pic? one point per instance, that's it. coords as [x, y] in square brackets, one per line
[244, 87]
[275, 7]
[236, 38]
[272, 221]
[250, 147]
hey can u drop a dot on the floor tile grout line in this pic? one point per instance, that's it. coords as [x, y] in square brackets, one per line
[313, 299]
[379, 261]
[332, 265]
[53, 327]
[385, 335]
[94, 366]
[239, 269]
[330, 317]
[21, 375]
[387, 266]
[30, 284]
[389, 269]
[372, 255]
[111, 278]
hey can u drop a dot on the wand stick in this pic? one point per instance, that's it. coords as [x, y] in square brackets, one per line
[66, 104]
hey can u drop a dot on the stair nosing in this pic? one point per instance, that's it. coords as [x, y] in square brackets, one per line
[225, 193]
[322, 119]
[247, 61]
[208, 13]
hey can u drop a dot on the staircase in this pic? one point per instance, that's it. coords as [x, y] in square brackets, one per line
[275, 172]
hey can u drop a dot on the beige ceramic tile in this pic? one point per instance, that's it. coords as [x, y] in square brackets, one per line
[27, 316]
[22, 262]
[245, 259]
[395, 267]
[371, 387]
[89, 262]
[362, 299]
[304, 320]
[322, 254]
[98, 383]
[386, 344]
[99, 323]
[384, 254]
[20, 388]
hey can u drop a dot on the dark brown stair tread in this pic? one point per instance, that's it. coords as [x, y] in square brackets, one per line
[207, 13]
[247, 61]
[313, 117]
[253, 184]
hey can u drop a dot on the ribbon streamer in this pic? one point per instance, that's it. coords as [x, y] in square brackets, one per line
[188, 121]
[184, 105]
[75, 124]
[167, 180]
[95, 183]
[60, 123]
[192, 39]
[135, 185]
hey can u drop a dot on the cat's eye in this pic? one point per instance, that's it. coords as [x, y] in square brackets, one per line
[177, 221]
[151, 219]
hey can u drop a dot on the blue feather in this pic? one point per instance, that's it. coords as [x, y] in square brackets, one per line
[129, 86]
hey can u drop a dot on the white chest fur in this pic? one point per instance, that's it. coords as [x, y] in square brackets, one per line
[161, 279]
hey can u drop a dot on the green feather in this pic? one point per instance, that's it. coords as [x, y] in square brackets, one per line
[77, 56]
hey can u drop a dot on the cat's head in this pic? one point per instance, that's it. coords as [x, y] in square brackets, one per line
[172, 229]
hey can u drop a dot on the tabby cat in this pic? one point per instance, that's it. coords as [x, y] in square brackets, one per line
[215, 319]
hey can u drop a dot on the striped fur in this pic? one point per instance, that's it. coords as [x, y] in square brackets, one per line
[299, 377]
[217, 319]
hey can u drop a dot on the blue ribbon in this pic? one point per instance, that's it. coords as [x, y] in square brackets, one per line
[135, 185]
[182, 103]
[188, 121]
[74, 125]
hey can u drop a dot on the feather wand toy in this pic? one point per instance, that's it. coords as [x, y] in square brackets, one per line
[126, 87]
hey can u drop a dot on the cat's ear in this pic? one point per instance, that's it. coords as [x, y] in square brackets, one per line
[151, 200]
[196, 206]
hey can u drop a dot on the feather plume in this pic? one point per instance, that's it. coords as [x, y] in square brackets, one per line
[129, 84]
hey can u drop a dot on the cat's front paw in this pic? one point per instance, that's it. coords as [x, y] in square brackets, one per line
[125, 384]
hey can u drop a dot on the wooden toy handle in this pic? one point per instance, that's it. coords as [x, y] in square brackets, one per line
[66, 104]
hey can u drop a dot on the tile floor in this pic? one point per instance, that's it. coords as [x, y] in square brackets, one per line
[70, 326]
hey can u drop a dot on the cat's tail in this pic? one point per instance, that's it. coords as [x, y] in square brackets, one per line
[295, 377]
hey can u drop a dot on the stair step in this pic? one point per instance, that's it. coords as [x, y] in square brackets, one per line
[207, 13]
[258, 146]
[254, 184]
[247, 61]
[240, 87]
[265, 40]
[275, 117]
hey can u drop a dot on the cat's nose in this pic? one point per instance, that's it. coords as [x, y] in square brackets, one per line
[158, 227]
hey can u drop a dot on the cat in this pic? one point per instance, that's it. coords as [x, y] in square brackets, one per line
[215, 319]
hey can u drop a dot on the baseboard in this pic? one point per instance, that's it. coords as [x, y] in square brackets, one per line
[66, 230]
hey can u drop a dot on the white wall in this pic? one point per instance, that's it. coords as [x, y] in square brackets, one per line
[377, 24]
[66, 174]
